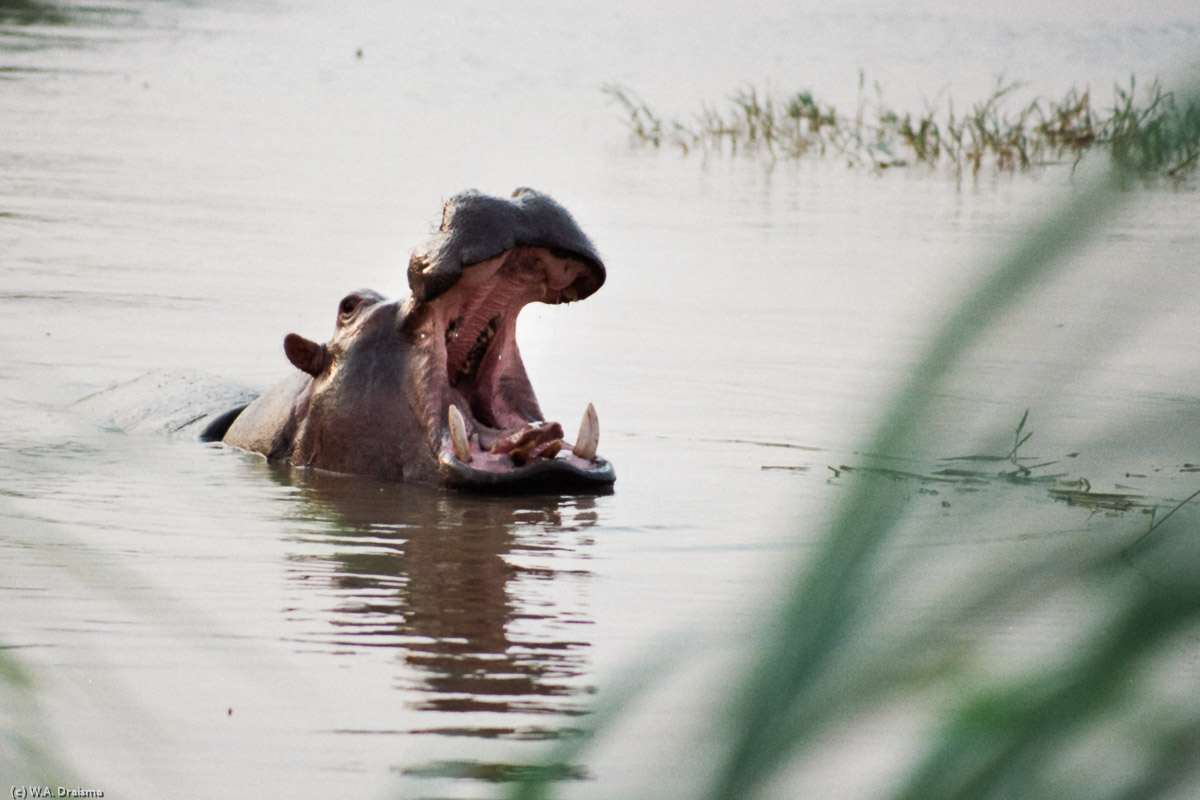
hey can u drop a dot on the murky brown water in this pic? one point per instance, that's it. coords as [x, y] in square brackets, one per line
[181, 185]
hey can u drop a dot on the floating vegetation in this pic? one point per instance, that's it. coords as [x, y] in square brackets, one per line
[976, 472]
[1058, 485]
[1156, 136]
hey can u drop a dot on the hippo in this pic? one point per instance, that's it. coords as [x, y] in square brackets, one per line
[431, 388]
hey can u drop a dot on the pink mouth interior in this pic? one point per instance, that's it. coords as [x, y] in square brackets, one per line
[487, 379]
[482, 458]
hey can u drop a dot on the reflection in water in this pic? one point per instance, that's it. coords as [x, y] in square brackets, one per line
[477, 595]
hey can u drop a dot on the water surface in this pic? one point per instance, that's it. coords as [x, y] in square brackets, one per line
[183, 184]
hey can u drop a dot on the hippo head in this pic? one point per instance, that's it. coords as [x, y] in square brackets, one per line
[432, 388]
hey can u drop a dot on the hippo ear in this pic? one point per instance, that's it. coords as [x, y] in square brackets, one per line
[305, 354]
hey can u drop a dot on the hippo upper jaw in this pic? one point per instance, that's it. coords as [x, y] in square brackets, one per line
[488, 431]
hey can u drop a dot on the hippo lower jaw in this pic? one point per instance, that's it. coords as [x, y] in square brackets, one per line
[490, 432]
[539, 474]
[534, 456]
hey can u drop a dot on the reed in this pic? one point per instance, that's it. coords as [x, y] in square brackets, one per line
[27, 752]
[1108, 710]
[1157, 135]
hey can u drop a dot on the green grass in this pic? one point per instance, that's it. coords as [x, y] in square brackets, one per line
[1109, 708]
[1146, 133]
[27, 753]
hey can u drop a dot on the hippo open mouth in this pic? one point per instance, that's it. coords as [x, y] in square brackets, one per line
[491, 432]
[431, 389]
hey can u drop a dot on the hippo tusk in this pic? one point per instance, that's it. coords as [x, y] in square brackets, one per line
[589, 435]
[458, 434]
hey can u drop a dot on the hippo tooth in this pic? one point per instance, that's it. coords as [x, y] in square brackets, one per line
[589, 435]
[458, 434]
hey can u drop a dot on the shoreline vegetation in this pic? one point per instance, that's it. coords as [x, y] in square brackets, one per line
[1155, 136]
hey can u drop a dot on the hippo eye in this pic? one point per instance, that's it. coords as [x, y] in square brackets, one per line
[348, 305]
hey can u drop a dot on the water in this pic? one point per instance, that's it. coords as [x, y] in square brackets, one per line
[182, 184]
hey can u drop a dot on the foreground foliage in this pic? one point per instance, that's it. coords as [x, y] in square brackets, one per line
[1106, 705]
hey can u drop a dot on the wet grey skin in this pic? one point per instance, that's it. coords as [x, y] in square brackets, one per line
[379, 398]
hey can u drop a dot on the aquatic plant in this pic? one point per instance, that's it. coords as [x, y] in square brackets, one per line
[27, 753]
[1158, 135]
[1107, 709]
